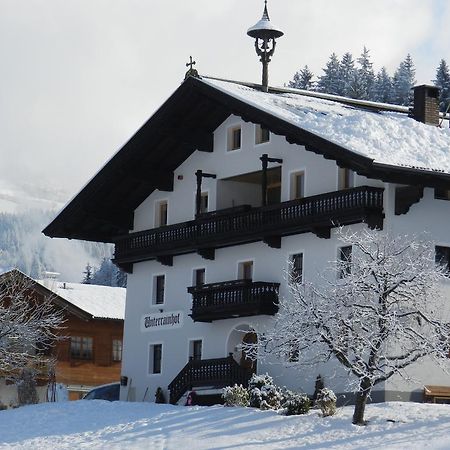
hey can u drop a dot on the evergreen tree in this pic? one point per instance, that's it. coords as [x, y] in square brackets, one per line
[329, 81]
[404, 81]
[346, 75]
[383, 87]
[87, 274]
[366, 76]
[302, 80]
[442, 81]
[121, 278]
[105, 275]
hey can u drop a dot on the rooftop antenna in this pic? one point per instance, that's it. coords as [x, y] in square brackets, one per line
[265, 34]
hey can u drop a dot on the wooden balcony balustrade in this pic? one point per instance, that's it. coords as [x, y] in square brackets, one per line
[238, 298]
[317, 214]
[217, 373]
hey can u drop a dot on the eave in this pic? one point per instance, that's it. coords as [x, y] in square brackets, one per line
[104, 208]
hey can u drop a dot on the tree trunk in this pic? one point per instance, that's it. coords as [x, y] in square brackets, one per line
[361, 399]
[26, 388]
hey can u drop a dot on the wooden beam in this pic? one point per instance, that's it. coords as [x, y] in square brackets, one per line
[165, 260]
[202, 140]
[207, 253]
[272, 241]
[322, 232]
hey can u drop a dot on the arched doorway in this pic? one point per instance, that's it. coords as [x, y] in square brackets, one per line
[243, 333]
[246, 360]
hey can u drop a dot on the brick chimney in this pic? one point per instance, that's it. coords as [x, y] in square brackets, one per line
[426, 104]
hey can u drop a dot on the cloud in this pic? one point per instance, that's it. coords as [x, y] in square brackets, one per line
[80, 76]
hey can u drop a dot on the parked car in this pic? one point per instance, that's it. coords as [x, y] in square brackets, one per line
[110, 392]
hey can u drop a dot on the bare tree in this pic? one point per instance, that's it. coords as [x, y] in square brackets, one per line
[380, 311]
[28, 327]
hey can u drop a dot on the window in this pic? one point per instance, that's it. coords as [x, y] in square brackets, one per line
[158, 290]
[234, 138]
[155, 358]
[297, 185]
[161, 213]
[442, 194]
[245, 270]
[345, 261]
[199, 277]
[262, 134]
[204, 203]
[195, 350]
[296, 268]
[442, 257]
[117, 350]
[346, 178]
[81, 347]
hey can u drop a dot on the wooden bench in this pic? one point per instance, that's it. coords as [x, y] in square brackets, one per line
[436, 394]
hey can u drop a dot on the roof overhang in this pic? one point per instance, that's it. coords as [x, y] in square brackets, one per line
[104, 208]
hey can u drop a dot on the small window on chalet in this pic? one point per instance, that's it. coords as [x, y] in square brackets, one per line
[195, 350]
[296, 268]
[81, 347]
[161, 213]
[234, 138]
[442, 257]
[155, 358]
[345, 261]
[199, 277]
[262, 134]
[346, 178]
[117, 350]
[245, 270]
[159, 285]
[442, 194]
[297, 185]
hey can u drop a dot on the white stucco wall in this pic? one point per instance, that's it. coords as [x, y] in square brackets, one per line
[269, 264]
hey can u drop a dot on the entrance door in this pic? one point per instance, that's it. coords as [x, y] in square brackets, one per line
[249, 338]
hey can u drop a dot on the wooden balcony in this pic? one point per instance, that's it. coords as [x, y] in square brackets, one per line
[238, 298]
[217, 373]
[244, 224]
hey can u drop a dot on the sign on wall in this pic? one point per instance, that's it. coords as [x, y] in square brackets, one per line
[162, 321]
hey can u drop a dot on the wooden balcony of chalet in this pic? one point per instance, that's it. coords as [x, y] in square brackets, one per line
[214, 373]
[244, 224]
[238, 298]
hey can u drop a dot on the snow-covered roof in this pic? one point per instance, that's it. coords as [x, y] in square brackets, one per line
[102, 302]
[387, 137]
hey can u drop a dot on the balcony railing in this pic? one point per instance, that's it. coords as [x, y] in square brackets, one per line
[217, 373]
[238, 298]
[245, 224]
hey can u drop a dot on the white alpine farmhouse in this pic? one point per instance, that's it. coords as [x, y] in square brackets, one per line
[225, 185]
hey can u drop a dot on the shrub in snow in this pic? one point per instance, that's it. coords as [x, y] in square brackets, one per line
[3, 406]
[326, 400]
[235, 395]
[159, 396]
[295, 404]
[263, 393]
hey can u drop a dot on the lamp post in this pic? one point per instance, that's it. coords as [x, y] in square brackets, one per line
[265, 34]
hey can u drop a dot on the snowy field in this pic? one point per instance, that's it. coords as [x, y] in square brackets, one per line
[99, 424]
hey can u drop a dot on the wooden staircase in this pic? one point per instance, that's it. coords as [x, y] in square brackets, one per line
[217, 373]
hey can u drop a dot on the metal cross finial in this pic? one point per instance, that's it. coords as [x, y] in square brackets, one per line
[191, 63]
[191, 71]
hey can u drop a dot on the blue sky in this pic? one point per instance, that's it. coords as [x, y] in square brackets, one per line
[80, 76]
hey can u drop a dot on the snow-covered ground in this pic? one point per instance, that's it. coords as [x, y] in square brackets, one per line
[99, 424]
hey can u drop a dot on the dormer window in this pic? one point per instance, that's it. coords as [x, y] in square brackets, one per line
[161, 213]
[234, 138]
[346, 178]
[262, 134]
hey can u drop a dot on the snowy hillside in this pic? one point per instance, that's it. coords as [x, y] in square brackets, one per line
[99, 424]
[24, 212]
[20, 197]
